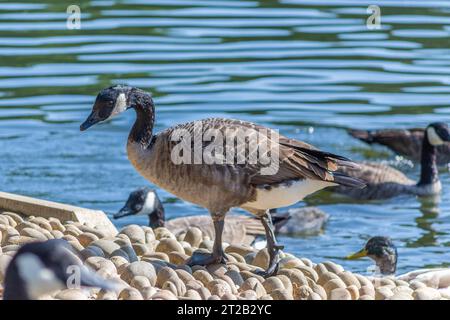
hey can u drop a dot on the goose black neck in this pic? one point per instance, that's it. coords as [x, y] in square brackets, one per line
[157, 219]
[429, 171]
[142, 130]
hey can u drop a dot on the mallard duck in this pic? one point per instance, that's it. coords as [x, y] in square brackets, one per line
[40, 268]
[383, 251]
[180, 160]
[385, 182]
[405, 142]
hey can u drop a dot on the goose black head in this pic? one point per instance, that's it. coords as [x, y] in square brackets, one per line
[382, 250]
[438, 133]
[41, 268]
[144, 201]
[109, 103]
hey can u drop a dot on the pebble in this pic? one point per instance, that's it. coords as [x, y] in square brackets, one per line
[426, 294]
[340, 294]
[4, 261]
[240, 249]
[261, 259]
[86, 238]
[130, 294]
[273, 283]
[71, 294]
[135, 233]
[254, 285]
[139, 268]
[168, 245]
[193, 236]
[281, 294]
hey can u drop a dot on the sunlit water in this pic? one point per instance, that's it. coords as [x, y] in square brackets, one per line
[309, 68]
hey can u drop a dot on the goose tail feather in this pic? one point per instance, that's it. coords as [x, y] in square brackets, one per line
[363, 135]
[348, 181]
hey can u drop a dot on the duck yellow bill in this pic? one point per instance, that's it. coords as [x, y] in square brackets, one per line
[361, 253]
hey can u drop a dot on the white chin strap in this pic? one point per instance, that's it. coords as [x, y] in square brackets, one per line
[121, 105]
[149, 204]
[433, 137]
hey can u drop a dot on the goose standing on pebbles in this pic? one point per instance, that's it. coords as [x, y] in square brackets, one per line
[40, 268]
[385, 182]
[405, 142]
[301, 169]
[383, 251]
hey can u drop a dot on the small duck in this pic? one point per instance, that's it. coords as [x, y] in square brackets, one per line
[41, 268]
[240, 229]
[383, 251]
[214, 165]
[405, 142]
[385, 182]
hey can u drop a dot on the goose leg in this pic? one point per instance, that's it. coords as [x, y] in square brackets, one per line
[217, 255]
[272, 246]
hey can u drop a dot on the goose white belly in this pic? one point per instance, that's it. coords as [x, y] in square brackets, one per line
[285, 194]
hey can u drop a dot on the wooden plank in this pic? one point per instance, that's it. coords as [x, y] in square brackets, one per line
[42, 208]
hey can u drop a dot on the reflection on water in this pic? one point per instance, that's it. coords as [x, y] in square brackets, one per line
[309, 68]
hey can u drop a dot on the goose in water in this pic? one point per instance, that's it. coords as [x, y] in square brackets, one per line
[385, 182]
[217, 177]
[383, 251]
[239, 229]
[405, 142]
[41, 268]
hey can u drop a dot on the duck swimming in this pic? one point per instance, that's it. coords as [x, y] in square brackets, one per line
[385, 182]
[383, 251]
[221, 185]
[41, 268]
[239, 229]
[405, 142]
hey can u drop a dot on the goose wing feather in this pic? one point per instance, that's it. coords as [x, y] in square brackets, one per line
[297, 160]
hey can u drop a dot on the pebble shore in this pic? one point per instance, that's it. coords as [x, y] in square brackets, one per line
[149, 264]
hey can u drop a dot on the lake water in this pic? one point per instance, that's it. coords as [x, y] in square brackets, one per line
[309, 68]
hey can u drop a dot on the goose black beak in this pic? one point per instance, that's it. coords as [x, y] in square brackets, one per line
[90, 121]
[360, 254]
[125, 211]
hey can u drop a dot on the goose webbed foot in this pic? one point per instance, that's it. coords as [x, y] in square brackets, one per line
[273, 247]
[217, 255]
[205, 258]
[274, 260]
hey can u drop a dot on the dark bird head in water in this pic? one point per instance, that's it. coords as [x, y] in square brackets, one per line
[383, 251]
[438, 133]
[41, 268]
[144, 201]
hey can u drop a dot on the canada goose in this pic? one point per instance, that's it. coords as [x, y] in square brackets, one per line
[405, 142]
[386, 182]
[219, 185]
[239, 229]
[41, 268]
[383, 251]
